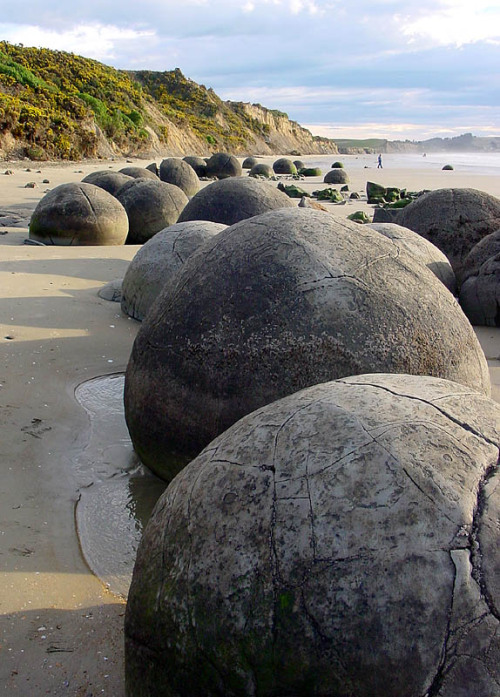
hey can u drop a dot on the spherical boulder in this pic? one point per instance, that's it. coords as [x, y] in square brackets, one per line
[480, 294]
[139, 172]
[453, 219]
[222, 165]
[341, 541]
[488, 247]
[79, 214]
[336, 176]
[198, 164]
[107, 180]
[157, 261]
[424, 251]
[181, 174]
[151, 205]
[261, 170]
[276, 303]
[337, 165]
[249, 162]
[230, 200]
[284, 166]
[299, 164]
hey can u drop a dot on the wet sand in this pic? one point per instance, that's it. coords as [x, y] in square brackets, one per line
[61, 629]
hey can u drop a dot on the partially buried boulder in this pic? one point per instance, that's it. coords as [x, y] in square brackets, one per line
[197, 163]
[139, 172]
[341, 541]
[261, 170]
[249, 162]
[422, 249]
[453, 219]
[222, 165]
[231, 200]
[157, 261]
[336, 176]
[284, 166]
[276, 303]
[480, 294]
[181, 174]
[79, 214]
[151, 205]
[107, 180]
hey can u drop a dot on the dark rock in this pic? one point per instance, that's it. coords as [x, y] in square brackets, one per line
[488, 247]
[341, 541]
[153, 167]
[453, 219]
[447, 167]
[198, 164]
[138, 172]
[249, 162]
[338, 165]
[109, 181]
[231, 200]
[284, 166]
[181, 174]
[112, 291]
[385, 215]
[79, 214]
[151, 205]
[276, 303]
[480, 294]
[375, 193]
[222, 165]
[310, 172]
[336, 176]
[299, 165]
[261, 170]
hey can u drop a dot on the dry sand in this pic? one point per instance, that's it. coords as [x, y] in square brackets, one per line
[61, 630]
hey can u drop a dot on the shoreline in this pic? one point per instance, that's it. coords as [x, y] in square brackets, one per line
[61, 628]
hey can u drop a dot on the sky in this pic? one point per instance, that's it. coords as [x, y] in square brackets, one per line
[379, 68]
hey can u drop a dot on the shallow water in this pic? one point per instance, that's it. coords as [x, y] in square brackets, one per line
[117, 493]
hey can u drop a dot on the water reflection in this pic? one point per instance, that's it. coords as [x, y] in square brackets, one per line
[117, 494]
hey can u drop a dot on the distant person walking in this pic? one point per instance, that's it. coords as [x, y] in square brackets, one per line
[379, 166]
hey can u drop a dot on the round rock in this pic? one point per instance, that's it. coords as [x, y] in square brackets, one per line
[181, 174]
[107, 180]
[336, 176]
[480, 294]
[261, 170]
[198, 164]
[453, 219]
[157, 261]
[79, 214]
[249, 162]
[151, 205]
[341, 541]
[422, 249]
[284, 166]
[488, 247]
[233, 199]
[222, 165]
[139, 172]
[277, 303]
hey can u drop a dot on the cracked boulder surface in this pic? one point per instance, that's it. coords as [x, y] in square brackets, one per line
[453, 219]
[480, 294]
[276, 303]
[108, 180]
[79, 214]
[157, 261]
[176, 171]
[426, 252]
[340, 542]
[151, 205]
[233, 199]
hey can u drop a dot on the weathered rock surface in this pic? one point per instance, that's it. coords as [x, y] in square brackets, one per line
[341, 541]
[249, 162]
[480, 294]
[424, 251]
[157, 261]
[336, 176]
[488, 247]
[261, 170]
[139, 172]
[453, 219]
[197, 163]
[222, 165]
[276, 303]
[181, 174]
[233, 199]
[107, 180]
[284, 166]
[79, 214]
[151, 205]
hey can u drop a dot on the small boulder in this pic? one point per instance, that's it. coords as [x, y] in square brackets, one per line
[222, 165]
[249, 162]
[336, 176]
[181, 174]
[138, 172]
[107, 180]
[261, 170]
[488, 247]
[480, 294]
[198, 164]
[284, 166]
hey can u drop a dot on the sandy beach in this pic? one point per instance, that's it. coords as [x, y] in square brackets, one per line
[61, 627]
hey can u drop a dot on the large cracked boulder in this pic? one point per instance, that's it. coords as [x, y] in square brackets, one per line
[151, 205]
[233, 199]
[276, 303]
[480, 294]
[157, 261]
[181, 174]
[453, 219]
[426, 252]
[79, 214]
[107, 180]
[341, 541]
[222, 165]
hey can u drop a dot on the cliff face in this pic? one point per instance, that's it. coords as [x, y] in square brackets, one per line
[58, 105]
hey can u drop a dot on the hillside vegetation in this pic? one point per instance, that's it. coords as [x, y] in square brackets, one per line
[59, 105]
